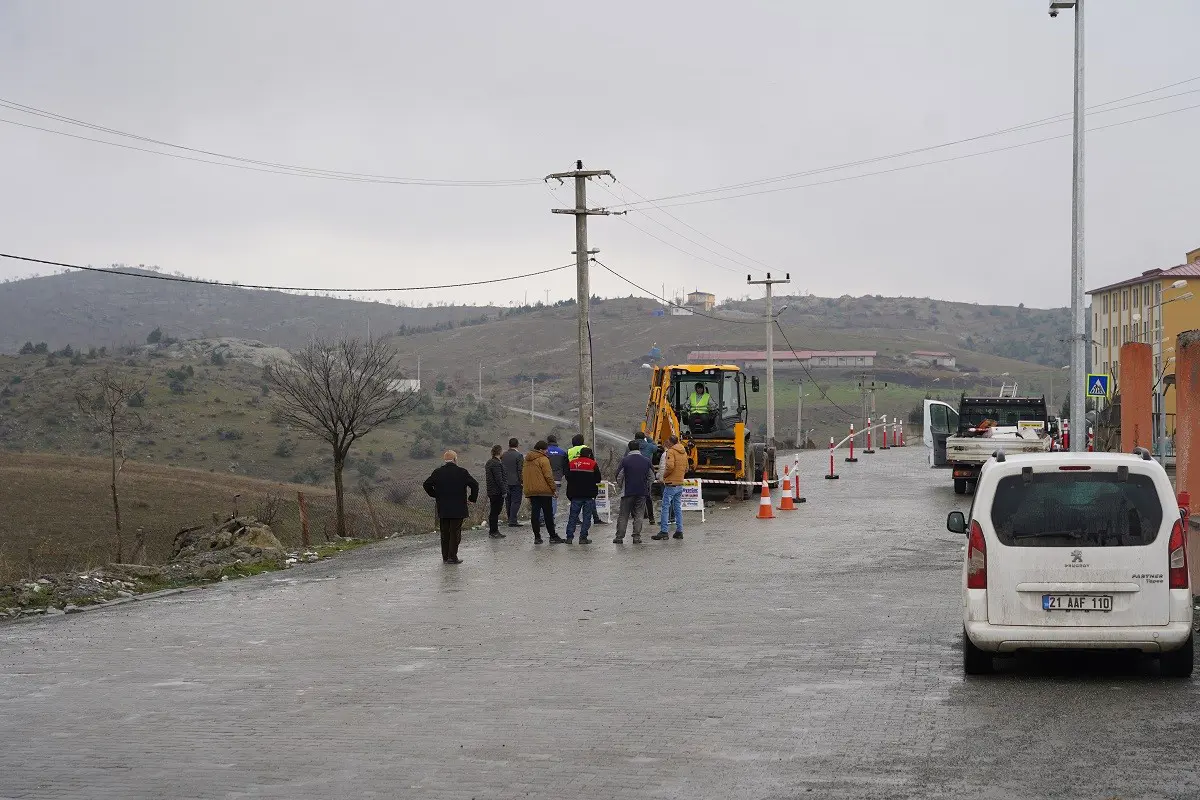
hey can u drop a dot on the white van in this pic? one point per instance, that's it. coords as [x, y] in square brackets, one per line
[1075, 551]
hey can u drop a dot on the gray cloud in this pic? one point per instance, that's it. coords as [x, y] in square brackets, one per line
[670, 96]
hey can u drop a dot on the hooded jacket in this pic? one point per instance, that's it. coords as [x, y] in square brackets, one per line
[537, 476]
[675, 470]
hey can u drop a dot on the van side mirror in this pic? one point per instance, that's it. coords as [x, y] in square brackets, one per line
[754, 383]
[956, 522]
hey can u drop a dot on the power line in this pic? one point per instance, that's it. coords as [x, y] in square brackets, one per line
[803, 366]
[202, 282]
[851, 415]
[750, 266]
[861, 162]
[923, 163]
[256, 165]
[667, 302]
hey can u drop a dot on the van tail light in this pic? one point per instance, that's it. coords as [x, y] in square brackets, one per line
[977, 559]
[1177, 557]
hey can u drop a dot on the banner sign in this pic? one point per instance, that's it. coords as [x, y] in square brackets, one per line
[693, 497]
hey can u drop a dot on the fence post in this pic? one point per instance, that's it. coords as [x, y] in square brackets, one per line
[303, 519]
[371, 510]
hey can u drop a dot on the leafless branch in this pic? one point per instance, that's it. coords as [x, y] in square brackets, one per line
[339, 391]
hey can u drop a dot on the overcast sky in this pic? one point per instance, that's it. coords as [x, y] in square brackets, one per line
[673, 97]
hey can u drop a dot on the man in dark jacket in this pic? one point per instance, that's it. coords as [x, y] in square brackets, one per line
[649, 449]
[497, 488]
[449, 486]
[577, 445]
[583, 484]
[638, 474]
[514, 464]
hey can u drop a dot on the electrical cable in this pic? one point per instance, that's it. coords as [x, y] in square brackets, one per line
[762, 265]
[664, 301]
[742, 264]
[202, 282]
[849, 414]
[258, 164]
[922, 163]
[846, 165]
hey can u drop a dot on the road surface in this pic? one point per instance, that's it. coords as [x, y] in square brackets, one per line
[813, 655]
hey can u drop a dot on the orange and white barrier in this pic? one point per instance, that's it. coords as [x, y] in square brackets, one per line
[786, 502]
[765, 511]
[832, 476]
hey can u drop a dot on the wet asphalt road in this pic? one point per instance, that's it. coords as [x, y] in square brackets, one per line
[815, 655]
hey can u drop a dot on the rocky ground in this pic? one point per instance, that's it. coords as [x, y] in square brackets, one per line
[238, 547]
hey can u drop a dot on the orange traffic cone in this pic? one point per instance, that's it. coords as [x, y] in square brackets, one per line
[765, 511]
[785, 501]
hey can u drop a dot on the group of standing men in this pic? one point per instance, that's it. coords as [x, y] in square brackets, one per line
[538, 475]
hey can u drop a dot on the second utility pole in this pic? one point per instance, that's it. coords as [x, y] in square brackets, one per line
[770, 359]
[583, 291]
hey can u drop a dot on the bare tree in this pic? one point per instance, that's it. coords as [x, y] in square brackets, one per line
[339, 391]
[107, 398]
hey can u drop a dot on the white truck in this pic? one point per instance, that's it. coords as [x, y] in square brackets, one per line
[963, 439]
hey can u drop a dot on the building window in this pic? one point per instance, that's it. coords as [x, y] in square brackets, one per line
[1105, 337]
[1125, 300]
[1146, 331]
[1105, 304]
[1116, 369]
[1157, 292]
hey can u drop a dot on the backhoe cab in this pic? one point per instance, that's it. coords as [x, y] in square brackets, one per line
[713, 430]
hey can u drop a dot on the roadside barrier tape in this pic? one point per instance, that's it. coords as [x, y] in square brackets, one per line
[771, 482]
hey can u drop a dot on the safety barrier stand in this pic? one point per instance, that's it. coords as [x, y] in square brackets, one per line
[1091, 441]
[895, 425]
[796, 498]
[832, 476]
[883, 433]
[851, 459]
[901, 426]
[868, 451]
[765, 511]
[785, 497]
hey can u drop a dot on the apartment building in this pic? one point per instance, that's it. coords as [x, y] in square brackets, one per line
[1128, 311]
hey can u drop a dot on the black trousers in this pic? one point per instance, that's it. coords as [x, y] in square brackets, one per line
[544, 504]
[650, 508]
[495, 506]
[451, 537]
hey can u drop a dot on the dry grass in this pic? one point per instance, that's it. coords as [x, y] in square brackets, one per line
[58, 514]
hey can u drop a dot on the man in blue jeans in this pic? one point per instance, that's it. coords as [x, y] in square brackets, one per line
[583, 484]
[674, 474]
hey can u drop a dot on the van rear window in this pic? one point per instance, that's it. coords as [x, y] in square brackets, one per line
[1076, 509]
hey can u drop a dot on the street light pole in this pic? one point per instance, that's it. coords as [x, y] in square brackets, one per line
[1078, 337]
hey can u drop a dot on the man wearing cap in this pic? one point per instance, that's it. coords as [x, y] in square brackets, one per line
[452, 489]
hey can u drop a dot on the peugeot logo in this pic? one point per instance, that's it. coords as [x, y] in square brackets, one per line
[1076, 556]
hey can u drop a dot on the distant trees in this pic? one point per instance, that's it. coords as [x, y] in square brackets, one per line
[29, 348]
[107, 398]
[339, 391]
[155, 336]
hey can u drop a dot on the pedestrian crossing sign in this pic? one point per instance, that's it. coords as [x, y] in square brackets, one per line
[1097, 385]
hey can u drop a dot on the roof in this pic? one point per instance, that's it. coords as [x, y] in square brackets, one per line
[701, 294]
[1182, 271]
[780, 355]
[931, 353]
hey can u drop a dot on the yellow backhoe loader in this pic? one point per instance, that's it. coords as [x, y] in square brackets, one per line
[716, 437]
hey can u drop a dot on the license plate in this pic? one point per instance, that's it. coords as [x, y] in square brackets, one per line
[1077, 602]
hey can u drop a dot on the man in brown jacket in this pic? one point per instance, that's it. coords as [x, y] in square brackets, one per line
[537, 478]
[674, 470]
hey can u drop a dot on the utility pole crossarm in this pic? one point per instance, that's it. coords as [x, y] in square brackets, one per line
[591, 212]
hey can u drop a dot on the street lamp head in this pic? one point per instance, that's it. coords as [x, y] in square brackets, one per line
[1186, 296]
[1179, 284]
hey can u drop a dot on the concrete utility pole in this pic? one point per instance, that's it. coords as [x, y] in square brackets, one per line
[1078, 335]
[583, 291]
[800, 438]
[769, 283]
